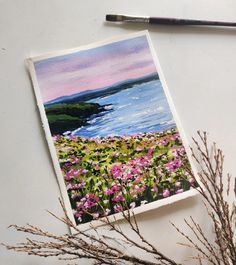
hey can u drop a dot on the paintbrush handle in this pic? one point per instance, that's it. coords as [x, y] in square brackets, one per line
[176, 21]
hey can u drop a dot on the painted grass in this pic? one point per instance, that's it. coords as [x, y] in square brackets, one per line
[105, 175]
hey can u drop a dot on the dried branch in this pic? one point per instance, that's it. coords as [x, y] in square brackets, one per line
[108, 248]
[99, 248]
[221, 211]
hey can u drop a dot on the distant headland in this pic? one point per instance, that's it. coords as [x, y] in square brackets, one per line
[67, 113]
[101, 92]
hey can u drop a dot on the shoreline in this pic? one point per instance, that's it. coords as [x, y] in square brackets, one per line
[68, 117]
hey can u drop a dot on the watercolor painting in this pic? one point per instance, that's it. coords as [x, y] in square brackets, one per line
[116, 142]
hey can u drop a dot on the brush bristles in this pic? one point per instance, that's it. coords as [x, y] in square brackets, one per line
[114, 18]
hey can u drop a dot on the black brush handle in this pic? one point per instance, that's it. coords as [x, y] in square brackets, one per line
[176, 21]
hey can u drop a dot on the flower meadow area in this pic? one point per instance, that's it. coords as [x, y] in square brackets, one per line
[104, 176]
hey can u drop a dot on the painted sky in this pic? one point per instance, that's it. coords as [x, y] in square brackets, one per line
[94, 68]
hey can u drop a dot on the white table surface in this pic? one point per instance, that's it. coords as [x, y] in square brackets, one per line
[200, 68]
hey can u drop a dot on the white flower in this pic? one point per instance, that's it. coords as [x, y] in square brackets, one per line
[107, 211]
[132, 205]
[143, 202]
[95, 215]
[98, 183]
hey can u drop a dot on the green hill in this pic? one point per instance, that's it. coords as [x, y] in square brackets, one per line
[68, 117]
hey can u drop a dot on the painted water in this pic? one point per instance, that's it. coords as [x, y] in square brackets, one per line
[141, 108]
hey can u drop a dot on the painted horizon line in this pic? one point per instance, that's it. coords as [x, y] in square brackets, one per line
[127, 82]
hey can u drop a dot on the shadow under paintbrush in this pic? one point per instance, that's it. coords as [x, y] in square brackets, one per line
[176, 29]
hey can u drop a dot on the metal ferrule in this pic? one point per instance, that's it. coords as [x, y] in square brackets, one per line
[136, 19]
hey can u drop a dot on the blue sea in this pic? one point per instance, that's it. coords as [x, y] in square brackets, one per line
[141, 108]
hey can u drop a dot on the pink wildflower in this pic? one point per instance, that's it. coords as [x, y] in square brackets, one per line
[166, 193]
[118, 198]
[69, 186]
[95, 215]
[179, 191]
[115, 154]
[137, 180]
[89, 200]
[107, 191]
[84, 171]
[139, 189]
[117, 174]
[191, 180]
[178, 163]
[129, 176]
[178, 184]
[175, 153]
[75, 160]
[115, 188]
[138, 149]
[150, 150]
[154, 189]
[118, 208]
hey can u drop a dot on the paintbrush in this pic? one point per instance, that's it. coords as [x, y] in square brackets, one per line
[167, 21]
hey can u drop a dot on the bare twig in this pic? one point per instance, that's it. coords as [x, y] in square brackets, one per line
[221, 211]
[108, 248]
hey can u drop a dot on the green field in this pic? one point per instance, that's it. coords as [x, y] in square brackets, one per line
[105, 175]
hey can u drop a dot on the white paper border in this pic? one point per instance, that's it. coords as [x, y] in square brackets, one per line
[137, 210]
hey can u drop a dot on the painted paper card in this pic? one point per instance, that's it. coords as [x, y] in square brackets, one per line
[110, 128]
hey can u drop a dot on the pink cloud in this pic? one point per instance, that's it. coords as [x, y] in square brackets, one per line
[94, 68]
